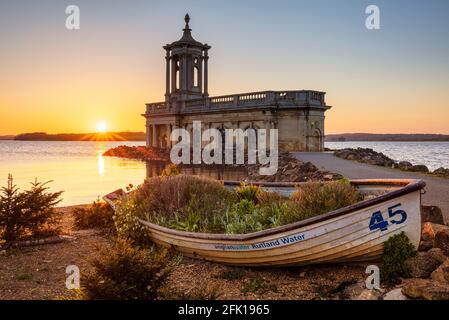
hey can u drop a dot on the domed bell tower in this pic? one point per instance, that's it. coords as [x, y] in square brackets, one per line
[186, 68]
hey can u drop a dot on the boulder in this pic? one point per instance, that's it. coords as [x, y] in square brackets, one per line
[441, 240]
[425, 289]
[424, 263]
[432, 214]
[404, 165]
[429, 231]
[419, 168]
[369, 295]
[441, 274]
[442, 172]
[395, 294]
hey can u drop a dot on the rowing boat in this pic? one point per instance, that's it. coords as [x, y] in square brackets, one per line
[351, 234]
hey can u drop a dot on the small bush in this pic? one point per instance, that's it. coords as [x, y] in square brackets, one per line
[128, 209]
[397, 249]
[248, 192]
[97, 215]
[28, 213]
[315, 198]
[124, 272]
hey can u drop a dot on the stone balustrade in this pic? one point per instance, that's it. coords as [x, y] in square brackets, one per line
[253, 99]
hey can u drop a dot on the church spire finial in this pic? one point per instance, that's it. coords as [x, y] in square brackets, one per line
[187, 20]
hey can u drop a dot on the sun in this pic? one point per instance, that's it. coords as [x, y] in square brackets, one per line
[101, 127]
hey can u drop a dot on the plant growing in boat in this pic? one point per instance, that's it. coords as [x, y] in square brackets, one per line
[196, 204]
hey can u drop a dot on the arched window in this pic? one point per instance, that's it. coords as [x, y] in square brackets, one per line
[195, 72]
[178, 80]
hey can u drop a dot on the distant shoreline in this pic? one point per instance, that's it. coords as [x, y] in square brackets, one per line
[359, 137]
[108, 136]
[140, 136]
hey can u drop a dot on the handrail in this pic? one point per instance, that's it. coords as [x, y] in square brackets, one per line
[260, 98]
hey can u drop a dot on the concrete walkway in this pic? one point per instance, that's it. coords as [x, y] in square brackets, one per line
[437, 189]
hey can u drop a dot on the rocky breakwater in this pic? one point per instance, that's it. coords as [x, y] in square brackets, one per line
[139, 153]
[291, 169]
[369, 156]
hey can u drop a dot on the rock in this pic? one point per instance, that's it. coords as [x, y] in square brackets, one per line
[365, 155]
[425, 289]
[404, 165]
[352, 291]
[358, 291]
[432, 214]
[425, 245]
[442, 172]
[395, 294]
[369, 295]
[419, 168]
[428, 233]
[441, 274]
[441, 240]
[424, 263]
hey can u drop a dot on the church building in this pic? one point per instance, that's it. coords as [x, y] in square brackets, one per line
[298, 115]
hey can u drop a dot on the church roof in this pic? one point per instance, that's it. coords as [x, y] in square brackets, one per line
[187, 38]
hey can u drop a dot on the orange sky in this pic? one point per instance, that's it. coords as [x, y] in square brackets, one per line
[59, 81]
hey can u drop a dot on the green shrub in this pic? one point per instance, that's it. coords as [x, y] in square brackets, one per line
[315, 198]
[248, 192]
[128, 209]
[124, 272]
[97, 215]
[28, 213]
[397, 249]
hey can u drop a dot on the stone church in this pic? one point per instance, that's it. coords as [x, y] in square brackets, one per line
[298, 115]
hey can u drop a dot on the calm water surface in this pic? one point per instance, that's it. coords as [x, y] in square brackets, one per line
[84, 174]
[78, 168]
[432, 154]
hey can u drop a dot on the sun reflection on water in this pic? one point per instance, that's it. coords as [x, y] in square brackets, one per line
[100, 160]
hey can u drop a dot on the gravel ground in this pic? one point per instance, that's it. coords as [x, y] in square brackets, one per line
[39, 273]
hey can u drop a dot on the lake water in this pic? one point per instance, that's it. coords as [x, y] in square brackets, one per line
[77, 168]
[432, 154]
[80, 170]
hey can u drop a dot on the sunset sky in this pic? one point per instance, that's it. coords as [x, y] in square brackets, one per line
[388, 81]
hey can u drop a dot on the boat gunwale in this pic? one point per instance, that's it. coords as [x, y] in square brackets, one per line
[409, 186]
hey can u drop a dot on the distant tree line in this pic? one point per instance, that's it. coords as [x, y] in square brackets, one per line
[386, 137]
[110, 136]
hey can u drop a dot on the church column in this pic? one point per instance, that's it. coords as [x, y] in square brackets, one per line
[206, 58]
[173, 74]
[167, 74]
[148, 137]
[154, 136]
[184, 78]
[200, 72]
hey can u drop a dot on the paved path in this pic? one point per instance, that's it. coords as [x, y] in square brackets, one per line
[437, 189]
